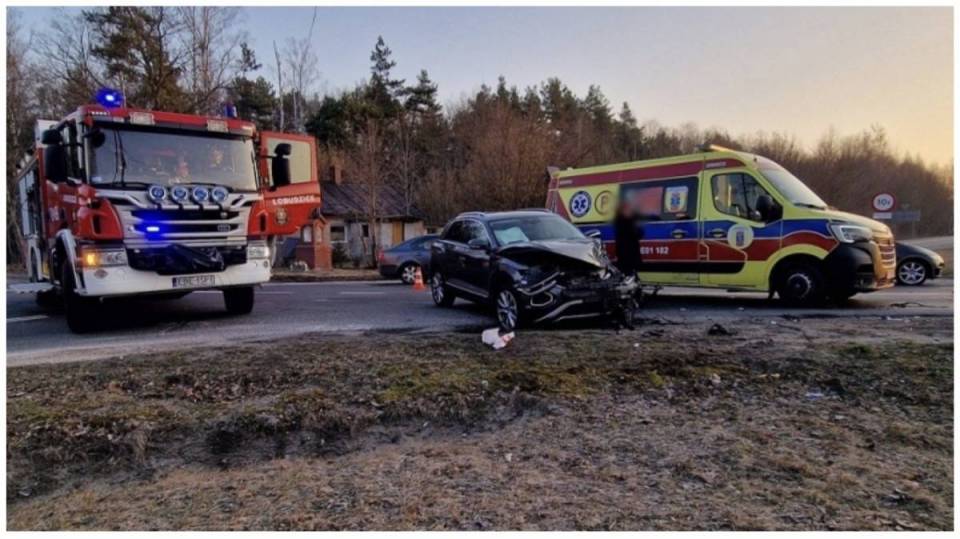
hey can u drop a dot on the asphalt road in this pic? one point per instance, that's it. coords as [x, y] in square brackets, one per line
[35, 335]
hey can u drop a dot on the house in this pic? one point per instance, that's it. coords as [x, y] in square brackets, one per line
[342, 233]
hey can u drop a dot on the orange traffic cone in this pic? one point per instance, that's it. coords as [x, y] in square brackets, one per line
[418, 281]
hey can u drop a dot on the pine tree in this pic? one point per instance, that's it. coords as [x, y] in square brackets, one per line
[422, 98]
[255, 100]
[384, 91]
[136, 44]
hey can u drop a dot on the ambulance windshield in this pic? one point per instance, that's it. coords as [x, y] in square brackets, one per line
[791, 187]
[138, 156]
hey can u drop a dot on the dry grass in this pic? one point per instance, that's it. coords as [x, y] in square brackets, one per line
[830, 425]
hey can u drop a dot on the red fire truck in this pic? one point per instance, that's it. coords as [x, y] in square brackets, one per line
[120, 201]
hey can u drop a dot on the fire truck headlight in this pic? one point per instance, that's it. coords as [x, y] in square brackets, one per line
[157, 193]
[200, 194]
[257, 251]
[179, 193]
[218, 194]
[97, 258]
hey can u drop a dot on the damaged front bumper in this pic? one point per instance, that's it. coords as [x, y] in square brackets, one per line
[561, 297]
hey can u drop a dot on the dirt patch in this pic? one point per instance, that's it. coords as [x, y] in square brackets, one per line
[830, 424]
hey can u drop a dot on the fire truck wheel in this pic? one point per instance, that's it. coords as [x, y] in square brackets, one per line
[79, 310]
[238, 300]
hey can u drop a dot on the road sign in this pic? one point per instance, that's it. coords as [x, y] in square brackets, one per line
[884, 202]
[899, 216]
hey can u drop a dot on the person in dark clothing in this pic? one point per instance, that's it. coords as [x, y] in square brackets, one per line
[627, 235]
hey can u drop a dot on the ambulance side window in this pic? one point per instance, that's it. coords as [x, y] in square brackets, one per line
[737, 194]
[663, 200]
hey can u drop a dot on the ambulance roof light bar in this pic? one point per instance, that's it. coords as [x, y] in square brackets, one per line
[705, 147]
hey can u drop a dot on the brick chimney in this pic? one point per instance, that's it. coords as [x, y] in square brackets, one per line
[336, 174]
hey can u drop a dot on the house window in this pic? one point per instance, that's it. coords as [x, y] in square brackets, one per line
[306, 234]
[365, 230]
[338, 233]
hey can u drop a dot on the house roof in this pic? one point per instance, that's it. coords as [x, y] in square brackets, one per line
[351, 199]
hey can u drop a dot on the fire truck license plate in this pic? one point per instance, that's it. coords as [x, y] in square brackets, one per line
[194, 281]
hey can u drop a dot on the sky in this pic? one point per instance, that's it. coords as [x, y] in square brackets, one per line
[800, 71]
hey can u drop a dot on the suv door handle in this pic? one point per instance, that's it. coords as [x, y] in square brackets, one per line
[679, 233]
[718, 232]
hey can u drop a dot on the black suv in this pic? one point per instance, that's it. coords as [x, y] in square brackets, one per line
[531, 265]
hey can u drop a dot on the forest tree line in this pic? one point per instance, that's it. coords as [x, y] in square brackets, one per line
[488, 151]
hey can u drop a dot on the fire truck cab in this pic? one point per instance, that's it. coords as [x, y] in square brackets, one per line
[119, 201]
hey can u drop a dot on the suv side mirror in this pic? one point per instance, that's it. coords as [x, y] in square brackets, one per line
[55, 163]
[479, 243]
[280, 165]
[768, 209]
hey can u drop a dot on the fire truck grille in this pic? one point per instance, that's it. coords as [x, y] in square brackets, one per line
[146, 224]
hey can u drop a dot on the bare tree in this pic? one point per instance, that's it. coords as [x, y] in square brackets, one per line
[212, 53]
[301, 64]
[366, 162]
[276, 54]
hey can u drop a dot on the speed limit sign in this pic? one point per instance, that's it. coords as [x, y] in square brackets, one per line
[884, 202]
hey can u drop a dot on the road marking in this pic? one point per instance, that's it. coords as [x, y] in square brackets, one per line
[26, 318]
[260, 292]
[339, 283]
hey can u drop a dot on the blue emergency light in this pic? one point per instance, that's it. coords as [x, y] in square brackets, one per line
[110, 98]
[153, 228]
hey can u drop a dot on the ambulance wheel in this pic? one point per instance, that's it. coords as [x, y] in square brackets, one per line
[801, 284]
[80, 311]
[239, 300]
[440, 292]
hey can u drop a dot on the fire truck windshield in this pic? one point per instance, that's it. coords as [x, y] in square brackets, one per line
[138, 156]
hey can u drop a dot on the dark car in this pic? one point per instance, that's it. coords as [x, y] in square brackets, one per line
[404, 259]
[917, 264]
[532, 266]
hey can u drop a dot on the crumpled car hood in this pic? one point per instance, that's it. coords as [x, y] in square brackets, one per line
[534, 253]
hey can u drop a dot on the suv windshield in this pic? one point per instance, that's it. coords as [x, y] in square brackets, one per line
[167, 157]
[533, 228]
[791, 187]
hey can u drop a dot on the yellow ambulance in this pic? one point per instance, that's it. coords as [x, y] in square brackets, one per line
[725, 219]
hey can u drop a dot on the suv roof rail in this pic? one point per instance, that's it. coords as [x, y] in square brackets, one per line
[471, 213]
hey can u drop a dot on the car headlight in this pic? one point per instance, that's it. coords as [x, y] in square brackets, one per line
[851, 233]
[97, 258]
[257, 251]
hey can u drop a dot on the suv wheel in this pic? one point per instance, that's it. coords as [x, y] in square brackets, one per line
[440, 292]
[508, 309]
[912, 272]
[408, 272]
[801, 285]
